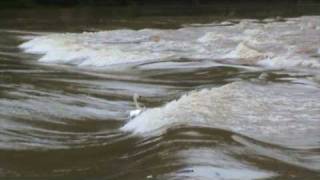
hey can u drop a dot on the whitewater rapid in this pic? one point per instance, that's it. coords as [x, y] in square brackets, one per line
[272, 112]
[270, 43]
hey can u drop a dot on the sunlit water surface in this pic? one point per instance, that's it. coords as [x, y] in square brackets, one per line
[227, 99]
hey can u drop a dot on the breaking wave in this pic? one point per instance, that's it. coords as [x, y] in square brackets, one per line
[293, 43]
[271, 112]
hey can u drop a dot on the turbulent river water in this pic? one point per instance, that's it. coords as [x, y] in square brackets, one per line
[237, 98]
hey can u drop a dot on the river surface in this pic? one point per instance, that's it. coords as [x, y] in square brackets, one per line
[218, 96]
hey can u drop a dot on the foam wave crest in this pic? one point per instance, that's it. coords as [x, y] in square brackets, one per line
[271, 111]
[275, 44]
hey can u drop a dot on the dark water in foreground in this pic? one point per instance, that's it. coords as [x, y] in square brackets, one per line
[61, 121]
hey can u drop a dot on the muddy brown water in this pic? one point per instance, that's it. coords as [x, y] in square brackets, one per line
[62, 122]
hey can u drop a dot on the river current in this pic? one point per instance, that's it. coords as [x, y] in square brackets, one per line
[234, 98]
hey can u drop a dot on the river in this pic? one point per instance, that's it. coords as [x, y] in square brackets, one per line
[220, 96]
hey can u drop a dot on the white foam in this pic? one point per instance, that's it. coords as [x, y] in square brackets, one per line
[286, 112]
[210, 37]
[243, 51]
[274, 44]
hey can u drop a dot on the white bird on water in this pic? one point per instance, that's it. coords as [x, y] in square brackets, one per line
[139, 110]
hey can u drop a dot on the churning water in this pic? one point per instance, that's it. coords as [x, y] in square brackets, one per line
[232, 99]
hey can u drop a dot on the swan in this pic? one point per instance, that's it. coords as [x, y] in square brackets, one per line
[139, 109]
